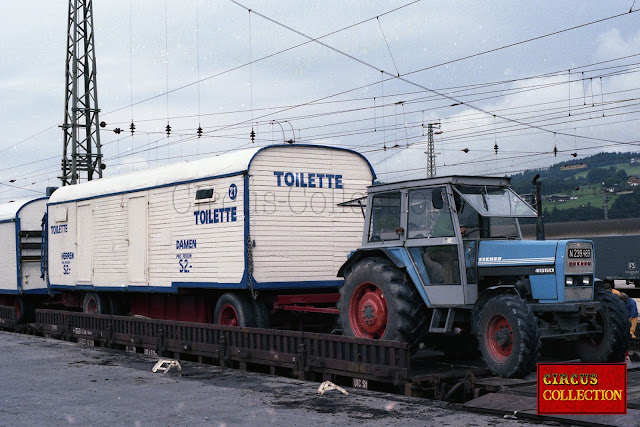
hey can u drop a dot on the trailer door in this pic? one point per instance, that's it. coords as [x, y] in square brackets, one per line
[137, 237]
[84, 241]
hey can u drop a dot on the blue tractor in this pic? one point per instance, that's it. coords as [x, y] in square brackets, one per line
[443, 257]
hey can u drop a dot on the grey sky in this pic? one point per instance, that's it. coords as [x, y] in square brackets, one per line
[33, 37]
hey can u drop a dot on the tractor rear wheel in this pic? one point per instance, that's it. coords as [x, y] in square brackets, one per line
[613, 342]
[378, 301]
[508, 336]
[234, 310]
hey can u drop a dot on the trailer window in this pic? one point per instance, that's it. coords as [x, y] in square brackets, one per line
[427, 220]
[385, 217]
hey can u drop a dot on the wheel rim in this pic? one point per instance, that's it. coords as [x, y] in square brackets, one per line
[228, 316]
[92, 306]
[499, 338]
[368, 311]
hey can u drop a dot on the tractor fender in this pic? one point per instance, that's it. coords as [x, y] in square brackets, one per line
[361, 254]
[485, 296]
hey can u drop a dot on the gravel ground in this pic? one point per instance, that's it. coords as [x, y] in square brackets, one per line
[49, 382]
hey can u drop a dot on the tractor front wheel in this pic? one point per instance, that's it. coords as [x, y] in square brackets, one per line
[612, 342]
[378, 301]
[509, 336]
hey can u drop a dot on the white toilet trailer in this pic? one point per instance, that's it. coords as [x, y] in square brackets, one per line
[265, 220]
[20, 267]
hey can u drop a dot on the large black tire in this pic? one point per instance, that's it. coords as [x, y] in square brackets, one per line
[234, 310]
[613, 343]
[508, 336]
[24, 310]
[262, 314]
[95, 303]
[379, 301]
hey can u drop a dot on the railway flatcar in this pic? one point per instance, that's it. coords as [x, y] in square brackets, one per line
[616, 245]
[20, 266]
[209, 240]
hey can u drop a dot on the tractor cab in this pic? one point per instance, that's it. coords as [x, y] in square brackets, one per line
[440, 225]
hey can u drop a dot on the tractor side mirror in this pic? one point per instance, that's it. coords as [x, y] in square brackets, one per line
[437, 200]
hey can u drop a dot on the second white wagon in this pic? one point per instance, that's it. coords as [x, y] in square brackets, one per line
[193, 241]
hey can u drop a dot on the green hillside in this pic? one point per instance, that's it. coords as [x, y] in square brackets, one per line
[576, 190]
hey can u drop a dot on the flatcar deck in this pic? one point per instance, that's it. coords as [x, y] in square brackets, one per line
[377, 365]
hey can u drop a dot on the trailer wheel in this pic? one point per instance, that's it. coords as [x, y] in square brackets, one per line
[24, 310]
[261, 310]
[94, 303]
[234, 310]
[378, 301]
[611, 345]
[508, 336]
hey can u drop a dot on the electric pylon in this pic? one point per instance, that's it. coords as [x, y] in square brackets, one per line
[431, 155]
[81, 151]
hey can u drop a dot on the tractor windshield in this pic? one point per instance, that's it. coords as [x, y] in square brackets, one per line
[495, 201]
[490, 212]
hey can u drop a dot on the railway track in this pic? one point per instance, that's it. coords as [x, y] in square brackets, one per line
[353, 362]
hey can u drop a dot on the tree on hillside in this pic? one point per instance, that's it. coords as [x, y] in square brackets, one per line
[626, 205]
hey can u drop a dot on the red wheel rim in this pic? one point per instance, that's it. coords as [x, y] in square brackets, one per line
[16, 305]
[368, 311]
[228, 316]
[499, 338]
[92, 306]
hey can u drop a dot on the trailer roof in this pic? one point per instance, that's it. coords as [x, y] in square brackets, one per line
[8, 211]
[227, 164]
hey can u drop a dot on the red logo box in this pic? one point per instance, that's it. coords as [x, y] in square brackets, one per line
[581, 388]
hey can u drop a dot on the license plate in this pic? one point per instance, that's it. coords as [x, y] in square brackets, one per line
[579, 253]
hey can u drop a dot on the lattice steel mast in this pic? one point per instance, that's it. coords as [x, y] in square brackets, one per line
[81, 152]
[431, 154]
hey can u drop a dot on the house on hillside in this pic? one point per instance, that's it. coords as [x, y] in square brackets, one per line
[560, 198]
[633, 180]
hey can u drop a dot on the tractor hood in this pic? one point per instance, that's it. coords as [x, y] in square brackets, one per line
[503, 253]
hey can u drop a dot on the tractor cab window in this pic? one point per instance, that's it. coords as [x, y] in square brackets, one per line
[495, 201]
[429, 214]
[490, 212]
[385, 217]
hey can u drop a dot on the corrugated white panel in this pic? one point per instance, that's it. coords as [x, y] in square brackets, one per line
[300, 232]
[181, 247]
[110, 246]
[196, 241]
[8, 268]
[138, 238]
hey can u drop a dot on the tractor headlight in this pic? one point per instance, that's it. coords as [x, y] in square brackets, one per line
[586, 280]
[568, 281]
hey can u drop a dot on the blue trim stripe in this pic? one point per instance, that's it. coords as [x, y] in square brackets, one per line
[18, 263]
[176, 286]
[24, 292]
